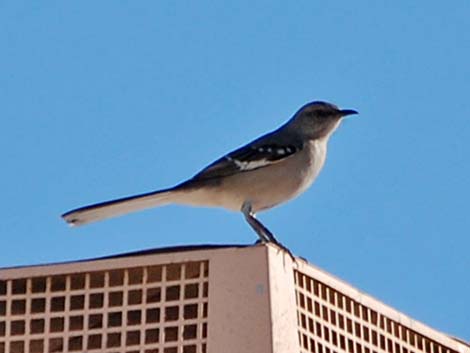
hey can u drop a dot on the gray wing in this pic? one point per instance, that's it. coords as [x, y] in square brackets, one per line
[247, 158]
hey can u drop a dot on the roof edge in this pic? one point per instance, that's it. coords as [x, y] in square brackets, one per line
[144, 252]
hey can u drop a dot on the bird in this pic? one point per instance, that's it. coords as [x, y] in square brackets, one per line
[262, 174]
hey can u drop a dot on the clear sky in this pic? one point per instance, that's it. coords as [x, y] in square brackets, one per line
[104, 99]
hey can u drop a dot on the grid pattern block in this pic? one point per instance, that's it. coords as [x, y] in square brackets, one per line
[148, 309]
[331, 322]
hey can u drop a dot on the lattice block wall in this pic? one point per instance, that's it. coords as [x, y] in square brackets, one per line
[149, 309]
[330, 321]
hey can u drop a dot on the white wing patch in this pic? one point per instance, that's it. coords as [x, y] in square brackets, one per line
[261, 157]
[249, 165]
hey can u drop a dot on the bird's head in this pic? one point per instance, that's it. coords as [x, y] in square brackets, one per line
[319, 119]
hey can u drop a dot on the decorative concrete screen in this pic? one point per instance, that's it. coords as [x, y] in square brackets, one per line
[145, 308]
[331, 321]
[200, 300]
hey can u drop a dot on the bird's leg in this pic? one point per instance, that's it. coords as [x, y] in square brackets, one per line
[264, 233]
[265, 236]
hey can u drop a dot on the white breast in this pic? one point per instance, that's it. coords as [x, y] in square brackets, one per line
[315, 161]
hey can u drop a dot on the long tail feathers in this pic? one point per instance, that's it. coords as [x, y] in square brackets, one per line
[100, 211]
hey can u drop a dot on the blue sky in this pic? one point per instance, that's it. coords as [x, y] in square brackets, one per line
[105, 99]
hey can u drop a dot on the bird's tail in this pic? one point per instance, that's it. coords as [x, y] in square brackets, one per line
[114, 208]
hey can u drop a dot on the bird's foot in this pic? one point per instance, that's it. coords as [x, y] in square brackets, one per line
[266, 236]
[285, 248]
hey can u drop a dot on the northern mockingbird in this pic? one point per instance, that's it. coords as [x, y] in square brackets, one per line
[264, 173]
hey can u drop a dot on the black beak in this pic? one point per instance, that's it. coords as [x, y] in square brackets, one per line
[346, 112]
